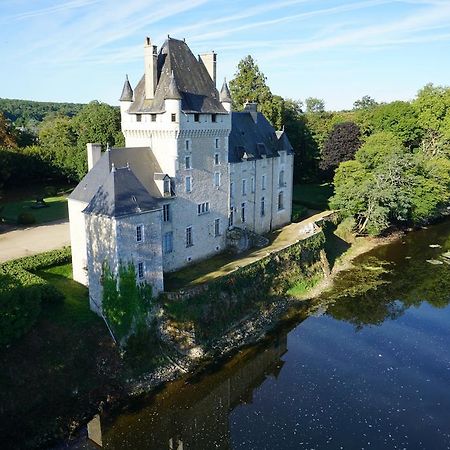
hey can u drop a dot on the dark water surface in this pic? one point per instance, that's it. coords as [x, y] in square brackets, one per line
[371, 372]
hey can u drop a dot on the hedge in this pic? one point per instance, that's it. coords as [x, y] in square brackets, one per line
[22, 292]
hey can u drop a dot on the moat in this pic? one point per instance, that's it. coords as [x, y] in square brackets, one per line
[370, 369]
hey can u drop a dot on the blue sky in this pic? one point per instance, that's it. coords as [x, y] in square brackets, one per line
[338, 50]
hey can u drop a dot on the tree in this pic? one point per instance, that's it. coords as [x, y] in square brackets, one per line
[366, 102]
[314, 105]
[341, 145]
[7, 138]
[399, 118]
[98, 122]
[249, 85]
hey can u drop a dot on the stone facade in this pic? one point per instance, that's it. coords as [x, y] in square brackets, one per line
[194, 177]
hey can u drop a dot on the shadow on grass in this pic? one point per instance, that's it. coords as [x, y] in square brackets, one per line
[334, 245]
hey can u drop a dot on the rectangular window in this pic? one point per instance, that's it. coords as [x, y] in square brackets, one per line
[140, 270]
[244, 187]
[173, 117]
[168, 242]
[196, 117]
[166, 184]
[216, 143]
[138, 117]
[263, 182]
[139, 233]
[231, 189]
[153, 117]
[189, 242]
[231, 217]
[188, 184]
[263, 207]
[166, 212]
[187, 160]
[203, 208]
[243, 212]
[213, 118]
[216, 179]
[253, 184]
[187, 145]
[216, 227]
[216, 159]
[280, 201]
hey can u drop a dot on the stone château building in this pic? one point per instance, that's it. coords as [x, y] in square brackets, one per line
[191, 170]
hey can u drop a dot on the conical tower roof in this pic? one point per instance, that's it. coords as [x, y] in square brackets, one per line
[172, 90]
[225, 95]
[127, 92]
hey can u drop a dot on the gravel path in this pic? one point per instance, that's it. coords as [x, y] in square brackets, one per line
[38, 239]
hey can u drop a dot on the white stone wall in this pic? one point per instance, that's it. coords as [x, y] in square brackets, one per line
[253, 172]
[101, 247]
[78, 241]
[114, 242]
[201, 149]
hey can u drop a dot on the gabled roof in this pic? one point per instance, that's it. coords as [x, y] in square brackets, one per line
[196, 88]
[249, 140]
[121, 194]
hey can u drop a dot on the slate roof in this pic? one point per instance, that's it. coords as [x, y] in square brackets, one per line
[225, 95]
[121, 194]
[127, 92]
[141, 160]
[250, 140]
[196, 88]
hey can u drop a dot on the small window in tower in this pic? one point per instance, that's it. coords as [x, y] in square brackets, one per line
[174, 117]
[216, 159]
[216, 142]
[139, 233]
[138, 117]
[188, 162]
[153, 117]
[213, 117]
[216, 227]
[140, 270]
[196, 117]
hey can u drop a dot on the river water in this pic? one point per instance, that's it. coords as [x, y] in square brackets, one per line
[372, 371]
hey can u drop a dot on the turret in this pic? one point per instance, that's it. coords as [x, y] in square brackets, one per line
[126, 99]
[172, 99]
[225, 96]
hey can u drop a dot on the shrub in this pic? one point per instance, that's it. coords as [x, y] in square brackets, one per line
[19, 307]
[26, 218]
[23, 292]
[50, 191]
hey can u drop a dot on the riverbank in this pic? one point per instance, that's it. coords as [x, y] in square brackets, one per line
[86, 382]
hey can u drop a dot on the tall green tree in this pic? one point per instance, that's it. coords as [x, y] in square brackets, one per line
[98, 122]
[314, 105]
[249, 85]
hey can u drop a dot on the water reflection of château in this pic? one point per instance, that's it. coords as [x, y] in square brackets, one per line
[195, 416]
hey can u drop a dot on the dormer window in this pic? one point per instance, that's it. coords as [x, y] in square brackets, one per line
[213, 118]
[153, 117]
[173, 117]
[196, 117]
[138, 117]
[166, 186]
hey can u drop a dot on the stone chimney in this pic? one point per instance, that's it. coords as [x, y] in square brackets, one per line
[251, 107]
[151, 69]
[94, 152]
[209, 60]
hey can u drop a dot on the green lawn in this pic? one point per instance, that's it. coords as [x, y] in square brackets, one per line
[56, 210]
[75, 310]
[313, 196]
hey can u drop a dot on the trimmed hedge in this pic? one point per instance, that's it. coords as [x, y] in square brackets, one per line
[22, 292]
